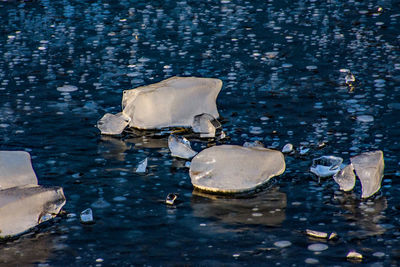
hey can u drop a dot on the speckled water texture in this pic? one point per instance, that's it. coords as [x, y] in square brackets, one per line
[63, 64]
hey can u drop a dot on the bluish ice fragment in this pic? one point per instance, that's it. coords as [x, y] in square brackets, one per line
[142, 166]
[326, 166]
[87, 216]
[180, 147]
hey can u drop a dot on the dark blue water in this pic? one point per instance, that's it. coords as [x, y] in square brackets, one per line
[280, 62]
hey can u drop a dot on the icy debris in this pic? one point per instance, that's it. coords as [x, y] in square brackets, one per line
[282, 244]
[253, 144]
[354, 256]
[67, 88]
[323, 235]
[171, 198]
[233, 169]
[287, 148]
[169, 103]
[24, 207]
[87, 216]
[349, 79]
[206, 125]
[16, 169]
[326, 166]
[317, 247]
[365, 118]
[303, 150]
[142, 166]
[369, 169]
[346, 178]
[113, 124]
[180, 147]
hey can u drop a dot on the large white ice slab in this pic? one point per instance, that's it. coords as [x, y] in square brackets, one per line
[16, 169]
[234, 169]
[369, 169]
[22, 208]
[169, 103]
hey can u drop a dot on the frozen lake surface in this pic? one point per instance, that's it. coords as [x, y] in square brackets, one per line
[321, 75]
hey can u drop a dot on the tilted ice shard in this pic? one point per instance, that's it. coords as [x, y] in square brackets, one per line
[24, 207]
[346, 178]
[369, 169]
[206, 125]
[326, 166]
[113, 124]
[180, 147]
[233, 169]
[142, 166]
[169, 103]
[16, 169]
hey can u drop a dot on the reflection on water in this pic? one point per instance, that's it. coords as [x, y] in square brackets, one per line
[112, 148]
[367, 215]
[266, 208]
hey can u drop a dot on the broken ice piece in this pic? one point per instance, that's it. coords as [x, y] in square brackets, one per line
[303, 150]
[87, 216]
[354, 256]
[170, 200]
[206, 125]
[333, 235]
[287, 148]
[326, 166]
[141, 168]
[234, 169]
[16, 169]
[253, 144]
[316, 233]
[180, 147]
[113, 124]
[369, 169]
[346, 178]
[24, 207]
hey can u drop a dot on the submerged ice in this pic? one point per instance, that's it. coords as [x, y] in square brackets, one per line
[326, 166]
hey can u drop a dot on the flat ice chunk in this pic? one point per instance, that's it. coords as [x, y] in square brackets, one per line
[369, 169]
[346, 178]
[16, 169]
[180, 147]
[171, 103]
[234, 169]
[206, 125]
[24, 207]
[87, 216]
[113, 124]
[326, 166]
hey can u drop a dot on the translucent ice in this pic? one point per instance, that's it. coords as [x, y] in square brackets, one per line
[142, 166]
[169, 103]
[345, 178]
[253, 144]
[24, 207]
[369, 169]
[205, 124]
[113, 124]
[87, 216]
[16, 169]
[326, 166]
[180, 147]
[232, 169]
[287, 148]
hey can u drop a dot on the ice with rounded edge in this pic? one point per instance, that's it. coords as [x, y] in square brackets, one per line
[346, 178]
[369, 168]
[326, 166]
[24, 207]
[234, 169]
[170, 103]
[16, 169]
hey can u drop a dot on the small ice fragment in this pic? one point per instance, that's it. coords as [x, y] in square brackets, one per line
[354, 256]
[346, 178]
[253, 144]
[187, 164]
[171, 198]
[316, 233]
[344, 70]
[142, 166]
[326, 166]
[206, 125]
[45, 217]
[287, 148]
[333, 235]
[304, 150]
[66, 88]
[369, 168]
[365, 118]
[112, 124]
[317, 247]
[379, 254]
[311, 261]
[282, 244]
[350, 79]
[222, 136]
[180, 147]
[87, 216]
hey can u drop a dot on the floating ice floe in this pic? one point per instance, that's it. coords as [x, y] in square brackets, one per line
[326, 166]
[23, 203]
[234, 169]
[142, 166]
[169, 103]
[206, 125]
[369, 168]
[66, 88]
[87, 216]
[287, 148]
[180, 147]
